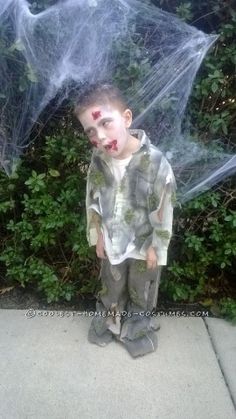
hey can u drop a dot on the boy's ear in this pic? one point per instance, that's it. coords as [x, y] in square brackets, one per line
[128, 116]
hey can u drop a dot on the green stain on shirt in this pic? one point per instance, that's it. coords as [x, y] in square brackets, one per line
[164, 234]
[153, 201]
[129, 215]
[145, 161]
[97, 178]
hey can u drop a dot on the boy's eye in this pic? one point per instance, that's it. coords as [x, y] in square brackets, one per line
[106, 123]
[90, 133]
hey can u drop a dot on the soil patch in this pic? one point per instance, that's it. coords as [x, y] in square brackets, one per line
[19, 298]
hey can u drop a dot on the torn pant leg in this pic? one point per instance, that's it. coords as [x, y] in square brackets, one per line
[111, 302]
[138, 332]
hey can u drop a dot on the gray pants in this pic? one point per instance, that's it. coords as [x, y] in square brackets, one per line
[124, 305]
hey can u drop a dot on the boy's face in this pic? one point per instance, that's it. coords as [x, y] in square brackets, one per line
[106, 127]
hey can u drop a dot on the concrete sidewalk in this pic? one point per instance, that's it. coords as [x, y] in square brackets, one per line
[49, 370]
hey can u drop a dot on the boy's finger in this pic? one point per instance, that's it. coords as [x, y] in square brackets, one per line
[101, 254]
[151, 264]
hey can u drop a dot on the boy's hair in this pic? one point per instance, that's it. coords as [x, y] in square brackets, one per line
[99, 94]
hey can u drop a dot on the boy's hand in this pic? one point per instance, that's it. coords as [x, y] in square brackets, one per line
[100, 247]
[151, 258]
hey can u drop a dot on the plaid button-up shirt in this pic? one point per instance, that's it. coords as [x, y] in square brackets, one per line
[148, 193]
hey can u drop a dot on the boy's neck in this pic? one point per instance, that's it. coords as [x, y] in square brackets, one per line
[133, 145]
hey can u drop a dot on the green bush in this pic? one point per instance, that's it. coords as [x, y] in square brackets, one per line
[202, 259]
[44, 213]
[201, 268]
[228, 309]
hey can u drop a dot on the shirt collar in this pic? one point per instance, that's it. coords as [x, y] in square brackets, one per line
[142, 137]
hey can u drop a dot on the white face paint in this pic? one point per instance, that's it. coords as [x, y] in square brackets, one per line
[106, 128]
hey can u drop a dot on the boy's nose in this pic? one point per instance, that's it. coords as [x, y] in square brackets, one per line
[101, 136]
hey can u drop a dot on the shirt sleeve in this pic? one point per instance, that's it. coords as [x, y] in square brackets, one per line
[161, 218]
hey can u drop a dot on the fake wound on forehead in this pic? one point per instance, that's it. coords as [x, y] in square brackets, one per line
[96, 115]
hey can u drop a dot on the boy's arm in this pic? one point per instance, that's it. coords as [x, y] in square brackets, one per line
[95, 220]
[161, 218]
[93, 210]
[100, 247]
[94, 223]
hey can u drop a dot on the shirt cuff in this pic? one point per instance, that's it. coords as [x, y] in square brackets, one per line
[92, 236]
[161, 257]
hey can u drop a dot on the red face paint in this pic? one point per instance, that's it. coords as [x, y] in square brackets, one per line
[94, 142]
[96, 115]
[112, 146]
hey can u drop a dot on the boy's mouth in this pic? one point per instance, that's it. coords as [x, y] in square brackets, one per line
[112, 146]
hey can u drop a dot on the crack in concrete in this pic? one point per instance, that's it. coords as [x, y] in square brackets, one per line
[219, 363]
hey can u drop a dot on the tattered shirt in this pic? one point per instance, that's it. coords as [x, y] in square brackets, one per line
[148, 195]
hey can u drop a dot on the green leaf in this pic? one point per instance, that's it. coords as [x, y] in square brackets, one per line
[54, 173]
[68, 296]
[214, 87]
[224, 129]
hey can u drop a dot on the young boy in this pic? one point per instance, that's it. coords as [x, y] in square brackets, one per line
[130, 190]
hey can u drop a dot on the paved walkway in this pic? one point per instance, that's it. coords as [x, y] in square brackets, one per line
[49, 370]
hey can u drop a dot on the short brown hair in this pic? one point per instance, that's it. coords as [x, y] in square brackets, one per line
[99, 94]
